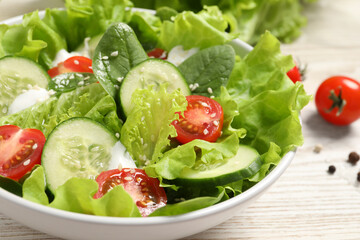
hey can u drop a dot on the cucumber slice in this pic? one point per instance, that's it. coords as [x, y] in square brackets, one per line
[16, 75]
[78, 147]
[244, 164]
[150, 72]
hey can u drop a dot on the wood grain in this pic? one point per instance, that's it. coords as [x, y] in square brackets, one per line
[306, 202]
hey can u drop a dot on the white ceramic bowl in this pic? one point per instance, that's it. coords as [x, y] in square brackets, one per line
[71, 225]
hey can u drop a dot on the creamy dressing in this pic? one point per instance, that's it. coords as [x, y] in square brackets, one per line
[177, 54]
[120, 157]
[29, 98]
[62, 55]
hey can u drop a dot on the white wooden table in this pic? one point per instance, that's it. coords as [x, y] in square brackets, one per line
[307, 202]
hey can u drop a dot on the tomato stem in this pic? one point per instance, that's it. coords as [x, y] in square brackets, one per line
[338, 101]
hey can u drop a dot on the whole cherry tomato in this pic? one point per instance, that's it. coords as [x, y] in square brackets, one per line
[338, 100]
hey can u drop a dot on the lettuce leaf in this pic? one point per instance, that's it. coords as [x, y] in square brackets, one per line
[191, 30]
[248, 18]
[34, 187]
[268, 102]
[40, 39]
[90, 101]
[76, 195]
[147, 129]
[189, 205]
[199, 153]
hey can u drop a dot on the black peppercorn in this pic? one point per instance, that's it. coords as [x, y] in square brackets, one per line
[331, 169]
[353, 158]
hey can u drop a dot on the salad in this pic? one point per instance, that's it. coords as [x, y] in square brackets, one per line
[157, 116]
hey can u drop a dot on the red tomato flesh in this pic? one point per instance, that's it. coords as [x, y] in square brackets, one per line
[203, 119]
[157, 53]
[73, 64]
[295, 74]
[20, 150]
[145, 191]
[338, 100]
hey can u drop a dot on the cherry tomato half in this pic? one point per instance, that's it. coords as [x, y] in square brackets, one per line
[73, 64]
[145, 191]
[203, 119]
[338, 100]
[295, 74]
[157, 53]
[20, 150]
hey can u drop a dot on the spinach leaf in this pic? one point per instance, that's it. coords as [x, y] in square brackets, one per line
[209, 69]
[67, 82]
[117, 52]
[11, 186]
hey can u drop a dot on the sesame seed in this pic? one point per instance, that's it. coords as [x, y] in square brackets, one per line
[216, 123]
[105, 57]
[72, 77]
[204, 104]
[128, 178]
[90, 67]
[115, 54]
[76, 62]
[127, 170]
[4, 110]
[120, 166]
[35, 146]
[117, 135]
[213, 115]
[27, 162]
[117, 87]
[210, 90]
[81, 83]
[119, 79]
[206, 132]
[132, 170]
[87, 78]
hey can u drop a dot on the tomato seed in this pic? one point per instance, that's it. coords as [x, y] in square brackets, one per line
[142, 204]
[6, 166]
[145, 189]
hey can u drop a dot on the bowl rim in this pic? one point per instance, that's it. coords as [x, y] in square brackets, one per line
[257, 189]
